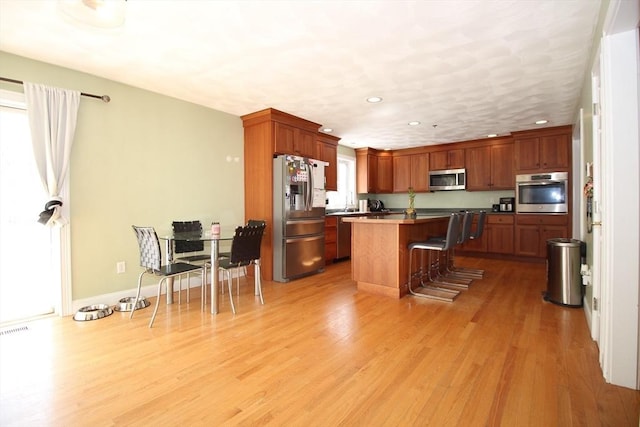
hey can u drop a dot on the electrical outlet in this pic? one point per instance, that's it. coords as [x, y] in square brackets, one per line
[121, 267]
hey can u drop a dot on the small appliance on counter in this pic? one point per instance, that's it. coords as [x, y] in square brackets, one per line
[507, 204]
[376, 205]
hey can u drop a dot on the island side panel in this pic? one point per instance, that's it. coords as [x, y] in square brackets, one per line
[375, 258]
[379, 255]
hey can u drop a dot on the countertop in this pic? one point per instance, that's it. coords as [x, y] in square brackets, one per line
[395, 218]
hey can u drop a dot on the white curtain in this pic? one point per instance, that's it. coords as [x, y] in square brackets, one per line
[52, 119]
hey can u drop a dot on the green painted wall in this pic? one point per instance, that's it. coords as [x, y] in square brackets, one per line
[143, 159]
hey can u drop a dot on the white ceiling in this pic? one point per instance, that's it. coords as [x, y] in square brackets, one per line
[470, 67]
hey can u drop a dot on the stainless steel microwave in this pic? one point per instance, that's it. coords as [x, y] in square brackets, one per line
[542, 193]
[451, 179]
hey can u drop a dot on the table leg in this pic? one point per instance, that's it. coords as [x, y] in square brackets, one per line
[215, 307]
[168, 244]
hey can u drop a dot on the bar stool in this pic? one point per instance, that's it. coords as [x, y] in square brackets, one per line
[474, 273]
[434, 245]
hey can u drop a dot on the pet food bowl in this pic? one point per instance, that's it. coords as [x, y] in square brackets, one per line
[93, 312]
[126, 304]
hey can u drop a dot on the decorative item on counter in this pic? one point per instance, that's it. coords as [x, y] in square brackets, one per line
[215, 228]
[363, 205]
[411, 210]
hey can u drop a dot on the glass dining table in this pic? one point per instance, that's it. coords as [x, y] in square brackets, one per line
[226, 234]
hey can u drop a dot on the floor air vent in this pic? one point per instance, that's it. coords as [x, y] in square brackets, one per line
[13, 330]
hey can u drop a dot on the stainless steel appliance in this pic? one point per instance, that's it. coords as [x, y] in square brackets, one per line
[542, 193]
[298, 217]
[507, 204]
[451, 179]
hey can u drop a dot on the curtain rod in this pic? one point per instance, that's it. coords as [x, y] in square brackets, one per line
[105, 98]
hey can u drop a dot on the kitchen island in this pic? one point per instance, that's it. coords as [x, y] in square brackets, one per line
[379, 254]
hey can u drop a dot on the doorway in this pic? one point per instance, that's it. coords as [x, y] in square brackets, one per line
[26, 262]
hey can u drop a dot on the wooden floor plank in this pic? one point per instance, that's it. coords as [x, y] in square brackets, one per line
[321, 353]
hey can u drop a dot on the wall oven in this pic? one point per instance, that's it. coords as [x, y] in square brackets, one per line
[542, 193]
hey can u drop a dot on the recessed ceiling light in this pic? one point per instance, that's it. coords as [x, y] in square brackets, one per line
[327, 130]
[387, 149]
[492, 135]
[415, 123]
[542, 122]
[374, 99]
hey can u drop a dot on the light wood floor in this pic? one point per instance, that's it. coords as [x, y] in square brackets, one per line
[321, 354]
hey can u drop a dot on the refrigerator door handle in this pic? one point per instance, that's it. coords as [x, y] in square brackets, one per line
[310, 186]
[303, 239]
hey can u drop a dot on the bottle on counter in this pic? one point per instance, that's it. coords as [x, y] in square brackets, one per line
[215, 228]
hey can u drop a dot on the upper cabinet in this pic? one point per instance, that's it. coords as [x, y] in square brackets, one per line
[294, 140]
[374, 171]
[446, 159]
[327, 150]
[411, 171]
[490, 167]
[543, 150]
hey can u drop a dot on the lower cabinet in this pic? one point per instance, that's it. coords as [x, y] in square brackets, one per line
[499, 232]
[330, 240]
[533, 231]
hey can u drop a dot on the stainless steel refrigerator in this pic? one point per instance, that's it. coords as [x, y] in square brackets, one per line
[298, 217]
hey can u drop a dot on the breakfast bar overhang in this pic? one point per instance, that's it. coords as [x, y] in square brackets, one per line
[379, 254]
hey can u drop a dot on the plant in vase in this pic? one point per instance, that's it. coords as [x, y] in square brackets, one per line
[411, 211]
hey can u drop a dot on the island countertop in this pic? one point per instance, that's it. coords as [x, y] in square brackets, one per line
[394, 218]
[379, 253]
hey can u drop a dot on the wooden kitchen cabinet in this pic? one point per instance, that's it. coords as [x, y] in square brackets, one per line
[411, 171]
[490, 167]
[546, 150]
[533, 231]
[293, 140]
[374, 171]
[385, 173]
[499, 231]
[327, 151]
[330, 238]
[447, 159]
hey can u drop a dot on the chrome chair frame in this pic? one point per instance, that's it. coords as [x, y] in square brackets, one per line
[151, 261]
[434, 245]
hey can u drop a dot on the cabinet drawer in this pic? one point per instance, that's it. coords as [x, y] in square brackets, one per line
[524, 219]
[500, 219]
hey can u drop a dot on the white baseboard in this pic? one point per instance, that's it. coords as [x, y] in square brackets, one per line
[147, 291]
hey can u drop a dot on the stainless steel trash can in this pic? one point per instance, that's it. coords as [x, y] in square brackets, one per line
[564, 284]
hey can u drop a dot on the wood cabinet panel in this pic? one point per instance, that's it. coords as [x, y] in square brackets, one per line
[284, 136]
[385, 174]
[499, 238]
[446, 159]
[304, 143]
[330, 238]
[533, 231]
[420, 172]
[401, 173]
[543, 150]
[327, 150]
[411, 171]
[490, 167]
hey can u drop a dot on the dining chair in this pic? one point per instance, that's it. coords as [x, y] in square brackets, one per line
[245, 251]
[151, 261]
[190, 251]
[437, 244]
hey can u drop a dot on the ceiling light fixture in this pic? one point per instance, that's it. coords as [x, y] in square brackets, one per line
[96, 13]
[327, 130]
[492, 135]
[414, 123]
[374, 99]
[542, 122]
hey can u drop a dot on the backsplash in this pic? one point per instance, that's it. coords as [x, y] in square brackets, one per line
[442, 199]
